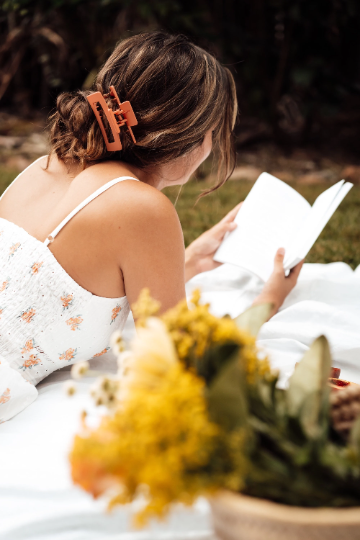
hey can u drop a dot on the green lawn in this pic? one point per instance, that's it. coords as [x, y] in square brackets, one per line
[340, 241]
[6, 177]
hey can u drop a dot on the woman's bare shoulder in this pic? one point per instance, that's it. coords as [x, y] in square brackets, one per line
[129, 198]
[146, 238]
[138, 205]
[132, 207]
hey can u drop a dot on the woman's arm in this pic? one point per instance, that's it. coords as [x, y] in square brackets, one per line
[152, 252]
[151, 246]
[278, 285]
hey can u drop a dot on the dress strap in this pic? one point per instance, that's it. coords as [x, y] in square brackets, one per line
[22, 172]
[91, 197]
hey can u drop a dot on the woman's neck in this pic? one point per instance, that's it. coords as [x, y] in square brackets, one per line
[157, 177]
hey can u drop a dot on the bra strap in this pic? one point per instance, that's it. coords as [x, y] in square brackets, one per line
[91, 197]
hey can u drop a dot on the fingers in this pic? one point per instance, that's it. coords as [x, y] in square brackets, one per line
[232, 214]
[225, 228]
[231, 226]
[294, 272]
[222, 228]
[279, 260]
[279, 265]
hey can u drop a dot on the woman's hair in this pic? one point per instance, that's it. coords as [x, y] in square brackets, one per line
[178, 92]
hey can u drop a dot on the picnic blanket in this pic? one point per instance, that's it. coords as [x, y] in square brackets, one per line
[37, 498]
[326, 300]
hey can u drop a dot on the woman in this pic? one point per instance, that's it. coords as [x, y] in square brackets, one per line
[84, 231]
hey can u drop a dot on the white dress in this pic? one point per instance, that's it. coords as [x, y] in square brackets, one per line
[47, 320]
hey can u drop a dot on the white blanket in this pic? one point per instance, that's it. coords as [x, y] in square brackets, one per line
[326, 301]
[37, 498]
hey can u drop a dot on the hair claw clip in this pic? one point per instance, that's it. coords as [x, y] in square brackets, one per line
[123, 115]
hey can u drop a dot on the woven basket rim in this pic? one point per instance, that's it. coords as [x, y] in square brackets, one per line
[231, 502]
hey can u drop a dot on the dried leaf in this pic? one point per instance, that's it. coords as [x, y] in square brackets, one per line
[308, 392]
[226, 396]
[253, 318]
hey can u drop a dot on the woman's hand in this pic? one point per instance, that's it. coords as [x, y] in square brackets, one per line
[199, 254]
[278, 285]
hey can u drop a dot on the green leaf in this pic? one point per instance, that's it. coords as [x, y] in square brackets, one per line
[214, 360]
[226, 396]
[253, 318]
[308, 392]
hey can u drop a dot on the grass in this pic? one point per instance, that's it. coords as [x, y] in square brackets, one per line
[6, 177]
[340, 240]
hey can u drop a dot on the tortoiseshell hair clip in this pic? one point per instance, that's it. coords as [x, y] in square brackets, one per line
[123, 115]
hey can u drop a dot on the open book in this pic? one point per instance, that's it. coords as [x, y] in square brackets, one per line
[274, 215]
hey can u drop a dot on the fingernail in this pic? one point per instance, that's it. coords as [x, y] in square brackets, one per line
[281, 251]
[233, 225]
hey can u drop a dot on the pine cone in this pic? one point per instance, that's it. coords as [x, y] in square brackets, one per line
[345, 408]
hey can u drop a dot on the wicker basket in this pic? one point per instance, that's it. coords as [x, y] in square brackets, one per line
[237, 517]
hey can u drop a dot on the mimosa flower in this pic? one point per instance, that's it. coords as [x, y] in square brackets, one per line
[195, 331]
[153, 355]
[145, 307]
[161, 439]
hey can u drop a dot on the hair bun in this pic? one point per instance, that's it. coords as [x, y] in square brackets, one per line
[74, 112]
[75, 133]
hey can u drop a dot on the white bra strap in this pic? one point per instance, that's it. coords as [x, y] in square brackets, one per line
[22, 172]
[91, 197]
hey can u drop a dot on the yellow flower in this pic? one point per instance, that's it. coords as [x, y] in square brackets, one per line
[153, 354]
[159, 440]
[162, 439]
[145, 307]
[195, 331]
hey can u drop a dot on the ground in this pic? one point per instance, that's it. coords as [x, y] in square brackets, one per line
[308, 171]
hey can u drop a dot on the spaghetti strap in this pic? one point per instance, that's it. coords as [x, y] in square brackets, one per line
[22, 172]
[91, 197]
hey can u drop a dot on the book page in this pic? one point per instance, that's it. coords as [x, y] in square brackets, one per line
[317, 212]
[266, 221]
[320, 213]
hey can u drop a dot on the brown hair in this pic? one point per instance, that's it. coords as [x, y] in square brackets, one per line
[178, 92]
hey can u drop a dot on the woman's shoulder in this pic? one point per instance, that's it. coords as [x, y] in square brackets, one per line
[133, 203]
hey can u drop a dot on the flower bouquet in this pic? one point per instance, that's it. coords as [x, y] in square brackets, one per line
[195, 410]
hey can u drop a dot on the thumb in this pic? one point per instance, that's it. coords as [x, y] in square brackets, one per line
[279, 260]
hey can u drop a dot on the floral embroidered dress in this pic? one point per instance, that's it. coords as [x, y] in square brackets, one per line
[47, 320]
